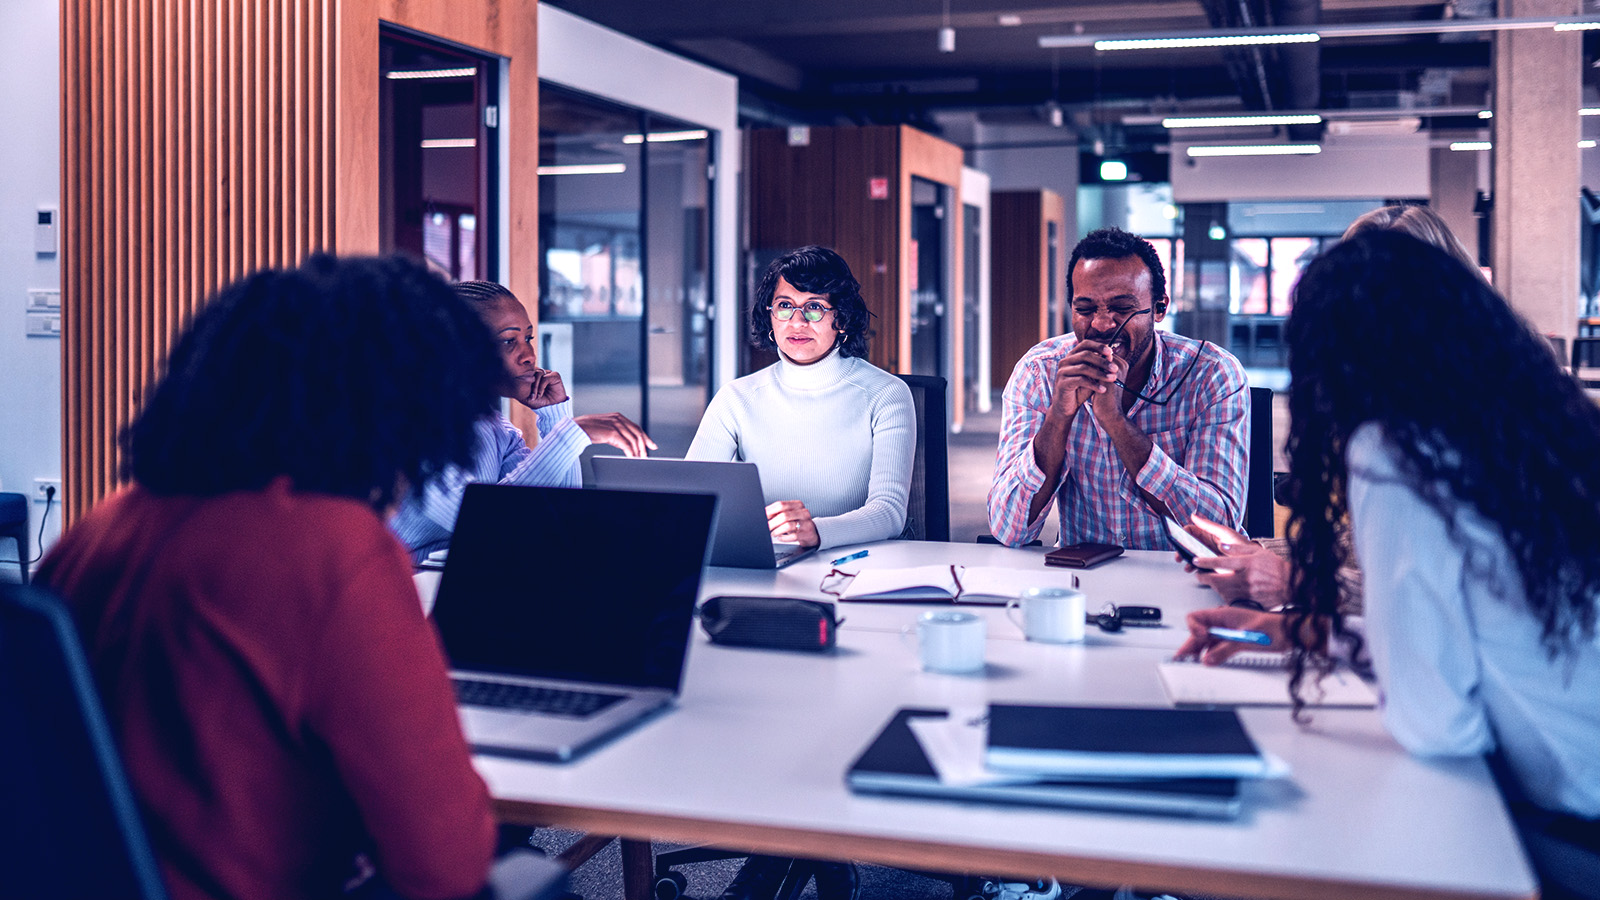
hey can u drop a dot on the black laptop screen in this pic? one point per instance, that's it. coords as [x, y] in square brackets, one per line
[590, 585]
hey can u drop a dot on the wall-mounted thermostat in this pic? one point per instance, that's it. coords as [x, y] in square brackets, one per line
[44, 233]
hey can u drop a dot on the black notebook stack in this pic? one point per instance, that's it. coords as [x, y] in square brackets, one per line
[1179, 762]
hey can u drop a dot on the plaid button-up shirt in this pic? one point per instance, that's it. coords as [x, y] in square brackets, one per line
[1198, 462]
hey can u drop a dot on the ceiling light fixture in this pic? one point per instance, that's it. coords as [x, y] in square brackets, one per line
[1589, 111]
[594, 169]
[1586, 145]
[1227, 40]
[1236, 37]
[1471, 145]
[1240, 121]
[1256, 150]
[1113, 170]
[1008, 20]
[431, 73]
[449, 143]
[665, 137]
[1485, 113]
[947, 35]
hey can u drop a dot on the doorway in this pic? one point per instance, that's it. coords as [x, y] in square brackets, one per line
[438, 155]
[625, 263]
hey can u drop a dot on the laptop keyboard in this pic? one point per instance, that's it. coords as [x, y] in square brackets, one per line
[527, 698]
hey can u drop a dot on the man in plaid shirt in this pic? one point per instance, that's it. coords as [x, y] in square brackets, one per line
[1117, 421]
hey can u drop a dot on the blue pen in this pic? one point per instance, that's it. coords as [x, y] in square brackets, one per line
[844, 559]
[1240, 635]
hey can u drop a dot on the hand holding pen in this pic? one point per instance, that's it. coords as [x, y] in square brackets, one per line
[1219, 633]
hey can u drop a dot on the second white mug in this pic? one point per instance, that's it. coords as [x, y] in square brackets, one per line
[1051, 615]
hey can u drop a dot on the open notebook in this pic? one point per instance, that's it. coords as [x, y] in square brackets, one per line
[1259, 679]
[984, 585]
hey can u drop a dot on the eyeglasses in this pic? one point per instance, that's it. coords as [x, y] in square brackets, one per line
[813, 311]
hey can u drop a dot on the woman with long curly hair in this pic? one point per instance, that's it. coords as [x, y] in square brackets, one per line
[1430, 416]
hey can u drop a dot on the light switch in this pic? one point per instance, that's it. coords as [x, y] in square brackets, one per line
[43, 300]
[44, 324]
[44, 232]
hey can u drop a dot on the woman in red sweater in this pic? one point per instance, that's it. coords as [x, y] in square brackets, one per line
[279, 700]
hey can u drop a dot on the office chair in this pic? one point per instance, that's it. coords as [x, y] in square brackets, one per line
[928, 505]
[1259, 518]
[69, 826]
[14, 525]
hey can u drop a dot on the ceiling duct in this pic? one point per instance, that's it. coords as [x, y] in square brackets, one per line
[1301, 64]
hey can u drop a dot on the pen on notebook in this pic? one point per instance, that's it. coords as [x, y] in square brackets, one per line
[1240, 635]
[844, 559]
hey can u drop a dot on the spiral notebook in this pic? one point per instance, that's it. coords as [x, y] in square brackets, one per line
[1259, 679]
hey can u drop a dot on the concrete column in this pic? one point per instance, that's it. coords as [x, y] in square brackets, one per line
[1537, 93]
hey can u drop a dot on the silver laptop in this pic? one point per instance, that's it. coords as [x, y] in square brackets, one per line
[742, 539]
[561, 633]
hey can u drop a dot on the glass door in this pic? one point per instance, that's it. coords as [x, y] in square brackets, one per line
[625, 268]
[927, 268]
[437, 159]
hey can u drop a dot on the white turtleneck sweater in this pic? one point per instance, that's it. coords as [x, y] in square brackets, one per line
[839, 435]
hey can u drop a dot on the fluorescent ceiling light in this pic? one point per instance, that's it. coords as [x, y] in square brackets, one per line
[431, 73]
[449, 143]
[1226, 121]
[662, 137]
[1586, 145]
[1256, 150]
[1589, 111]
[1009, 20]
[1220, 40]
[1471, 145]
[1234, 37]
[595, 169]
[1485, 113]
[1113, 170]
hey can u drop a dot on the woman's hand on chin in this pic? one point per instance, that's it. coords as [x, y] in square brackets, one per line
[545, 389]
[790, 523]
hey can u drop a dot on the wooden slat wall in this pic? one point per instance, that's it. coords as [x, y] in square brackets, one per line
[197, 145]
[204, 139]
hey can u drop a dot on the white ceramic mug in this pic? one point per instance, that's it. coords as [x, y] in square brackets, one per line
[951, 641]
[1051, 615]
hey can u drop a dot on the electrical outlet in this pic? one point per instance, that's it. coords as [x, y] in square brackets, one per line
[43, 487]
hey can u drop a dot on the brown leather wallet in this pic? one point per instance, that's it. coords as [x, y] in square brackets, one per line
[1082, 556]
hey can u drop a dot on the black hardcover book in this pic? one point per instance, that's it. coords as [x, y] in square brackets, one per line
[895, 764]
[1117, 742]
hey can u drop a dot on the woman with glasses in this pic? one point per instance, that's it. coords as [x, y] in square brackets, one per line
[1435, 422]
[833, 434]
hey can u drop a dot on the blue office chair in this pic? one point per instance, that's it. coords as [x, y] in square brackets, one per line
[69, 826]
[928, 505]
[1259, 516]
[14, 525]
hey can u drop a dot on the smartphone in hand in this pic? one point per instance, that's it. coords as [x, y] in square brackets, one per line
[1188, 546]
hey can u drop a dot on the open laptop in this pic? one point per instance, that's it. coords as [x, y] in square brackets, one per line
[743, 539]
[566, 613]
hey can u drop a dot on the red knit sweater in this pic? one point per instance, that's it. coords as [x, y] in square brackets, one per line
[278, 698]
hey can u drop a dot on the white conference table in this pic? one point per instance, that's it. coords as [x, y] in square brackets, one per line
[754, 758]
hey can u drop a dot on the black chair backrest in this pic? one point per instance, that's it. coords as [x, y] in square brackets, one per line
[1259, 518]
[69, 826]
[928, 506]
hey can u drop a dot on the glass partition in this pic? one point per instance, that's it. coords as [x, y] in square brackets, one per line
[624, 232]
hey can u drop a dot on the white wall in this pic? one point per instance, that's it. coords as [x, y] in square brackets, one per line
[1348, 168]
[1004, 152]
[30, 177]
[581, 55]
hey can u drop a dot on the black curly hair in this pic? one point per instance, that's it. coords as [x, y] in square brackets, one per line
[343, 374]
[815, 270]
[1390, 330]
[1114, 243]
